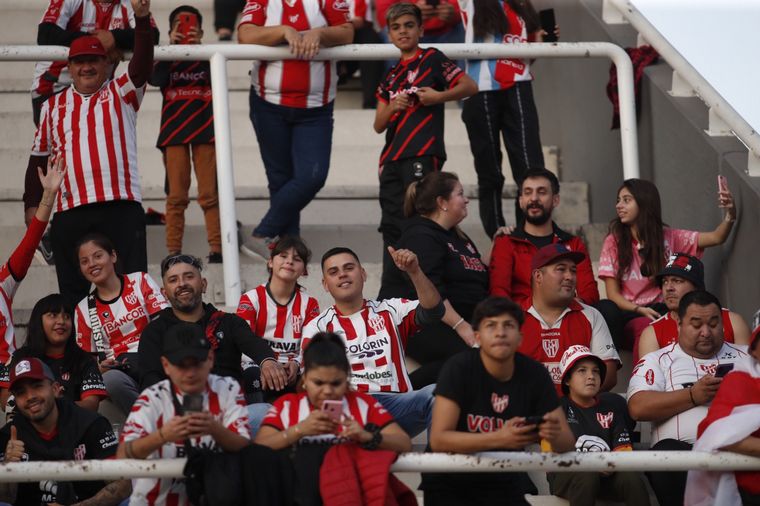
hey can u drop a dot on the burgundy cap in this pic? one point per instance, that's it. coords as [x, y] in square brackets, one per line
[30, 368]
[552, 253]
[86, 46]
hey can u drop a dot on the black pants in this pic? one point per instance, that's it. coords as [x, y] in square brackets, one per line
[225, 13]
[371, 71]
[395, 178]
[669, 486]
[512, 114]
[583, 489]
[616, 318]
[431, 347]
[123, 222]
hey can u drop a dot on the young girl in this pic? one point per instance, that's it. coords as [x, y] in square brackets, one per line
[636, 250]
[49, 338]
[280, 308]
[111, 319]
[301, 419]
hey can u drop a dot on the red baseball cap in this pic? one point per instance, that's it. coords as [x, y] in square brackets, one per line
[86, 46]
[30, 368]
[551, 253]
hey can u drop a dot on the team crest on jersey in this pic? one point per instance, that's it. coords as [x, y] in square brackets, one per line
[551, 347]
[293, 19]
[80, 452]
[377, 323]
[104, 96]
[131, 298]
[411, 76]
[708, 368]
[296, 321]
[340, 5]
[605, 419]
[649, 376]
[106, 314]
[65, 376]
[499, 402]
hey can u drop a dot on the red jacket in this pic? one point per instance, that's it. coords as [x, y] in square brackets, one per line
[510, 266]
[351, 475]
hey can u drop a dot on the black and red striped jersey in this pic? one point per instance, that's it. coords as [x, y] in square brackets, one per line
[187, 113]
[418, 130]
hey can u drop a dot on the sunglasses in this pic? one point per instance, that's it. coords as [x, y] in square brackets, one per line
[180, 258]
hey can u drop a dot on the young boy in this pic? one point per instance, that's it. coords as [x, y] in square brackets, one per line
[410, 110]
[482, 401]
[187, 124]
[599, 421]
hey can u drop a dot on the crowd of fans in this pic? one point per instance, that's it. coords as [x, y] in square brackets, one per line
[516, 351]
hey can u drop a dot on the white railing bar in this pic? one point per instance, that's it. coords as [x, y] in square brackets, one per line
[683, 68]
[493, 462]
[218, 54]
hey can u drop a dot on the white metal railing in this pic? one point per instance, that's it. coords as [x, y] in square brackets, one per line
[622, 11]
[489, 462]
[218, 54]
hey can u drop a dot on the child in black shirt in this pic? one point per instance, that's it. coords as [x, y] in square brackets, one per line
[599, 421]
[410, 111]
[483, 397]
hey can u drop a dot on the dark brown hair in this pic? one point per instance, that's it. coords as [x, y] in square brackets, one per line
[489, 17]
[421, 196]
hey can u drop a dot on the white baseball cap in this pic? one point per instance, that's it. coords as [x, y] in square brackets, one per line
[571, 356]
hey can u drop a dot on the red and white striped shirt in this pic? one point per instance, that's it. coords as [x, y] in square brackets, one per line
[280, 325]
[291, 409]
[293, 83]
[77, 16]
[375, 338]
[155, 407]
[8, 287]
[97, 135]
[123, 319]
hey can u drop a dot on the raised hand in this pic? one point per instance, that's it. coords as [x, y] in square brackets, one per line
[14, 450]
[51, 181]
[405, 260]
[141, 7]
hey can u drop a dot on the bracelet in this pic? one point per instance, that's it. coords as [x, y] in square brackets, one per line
[46, 204]
[377, 437]
[457, 324]
[691, 396]
[727, 219]
[161, 435]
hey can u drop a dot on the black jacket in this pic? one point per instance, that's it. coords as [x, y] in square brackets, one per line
[230, 336]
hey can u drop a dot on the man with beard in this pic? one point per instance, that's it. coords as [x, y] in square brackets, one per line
[229, 335]
[538, 195]
[46, 428]
[555, 320]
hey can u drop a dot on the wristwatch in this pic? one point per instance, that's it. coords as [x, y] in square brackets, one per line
[377, 437]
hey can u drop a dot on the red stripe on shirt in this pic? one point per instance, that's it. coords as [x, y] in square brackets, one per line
[409, 138]
[92, 142]
[77, 152]
[112, 163]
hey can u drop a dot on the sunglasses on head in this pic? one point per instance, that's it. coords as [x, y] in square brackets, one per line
[180, 258]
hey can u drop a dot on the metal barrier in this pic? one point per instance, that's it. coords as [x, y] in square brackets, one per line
[218, 55]
[489, 462]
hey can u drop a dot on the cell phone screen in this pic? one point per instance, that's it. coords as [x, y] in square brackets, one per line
[192, 403]
[333, 409]
[723, 369]
[548, 23]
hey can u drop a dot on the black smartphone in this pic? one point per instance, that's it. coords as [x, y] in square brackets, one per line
[534, 420]
[548, 23]
[192, 403]
[723, 369]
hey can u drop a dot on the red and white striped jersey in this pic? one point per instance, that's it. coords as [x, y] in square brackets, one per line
[359, 9]
[375, 338]
[291, 409]
[8, 287]
[293, 83]
[96, 133]
[77, 16]
[123, 319]
[280, 325]
[155, 407]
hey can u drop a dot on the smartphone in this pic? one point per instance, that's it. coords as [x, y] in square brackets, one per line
[548, 24]
[334, 410]
[192, 403]
[187, 21]
[722, 184]
[723, 369]
[534, 420]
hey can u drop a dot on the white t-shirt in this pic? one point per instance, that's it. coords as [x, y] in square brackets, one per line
[669, 369]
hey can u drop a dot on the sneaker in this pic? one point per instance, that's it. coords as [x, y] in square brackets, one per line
[214, 258]
[44, 253]
[258, 247]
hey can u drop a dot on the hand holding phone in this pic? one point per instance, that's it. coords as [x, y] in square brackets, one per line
[333, 409]
[534, 420]
[548, 25]
[188, 22]
[723, 369]
[192, 403]
[722, 184]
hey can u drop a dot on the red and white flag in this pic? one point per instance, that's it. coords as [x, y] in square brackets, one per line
[734, 415]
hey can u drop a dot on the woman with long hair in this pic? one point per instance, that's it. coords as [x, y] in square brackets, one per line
[50, 338]
[327, 412]
[638, 246]
[434, 207]
[504, 106]
[279, 309]
[111, 318]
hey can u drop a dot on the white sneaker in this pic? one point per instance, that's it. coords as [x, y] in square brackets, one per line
[258, 247]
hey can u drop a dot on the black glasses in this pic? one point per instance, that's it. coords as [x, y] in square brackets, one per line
[180, 258]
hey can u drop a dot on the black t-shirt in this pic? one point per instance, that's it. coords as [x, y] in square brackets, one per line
[81, 380]
[607, 420]
[80, 435]
[539, 241]
[417, 131]
[485, 404]
[450, 261]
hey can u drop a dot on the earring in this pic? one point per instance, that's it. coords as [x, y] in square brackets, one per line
[445, 208]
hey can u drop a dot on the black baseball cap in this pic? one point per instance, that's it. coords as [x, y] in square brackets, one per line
[185, 340]
[684, 266]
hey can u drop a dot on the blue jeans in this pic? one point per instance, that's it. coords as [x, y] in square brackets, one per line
[413, 411]
[295, 146]
[256, 414]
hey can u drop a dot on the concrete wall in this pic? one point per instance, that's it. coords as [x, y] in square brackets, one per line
[675, 153]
